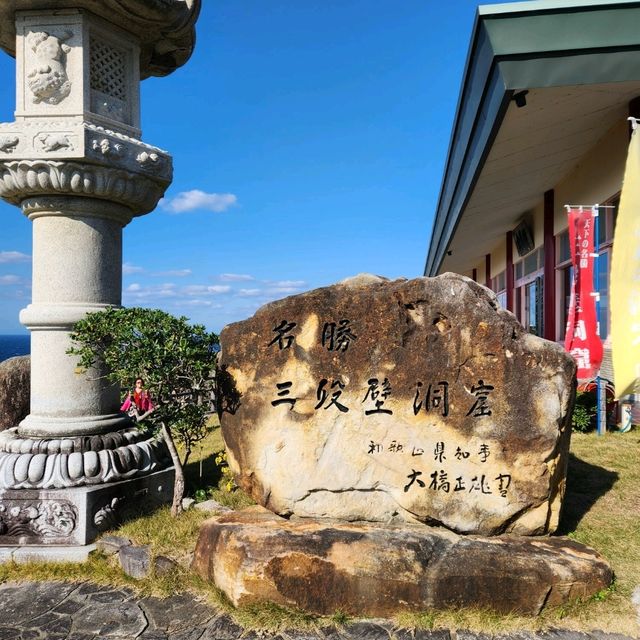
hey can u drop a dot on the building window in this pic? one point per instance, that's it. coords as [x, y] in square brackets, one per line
[564, 271]
[499, 286]
[529, 291]
[533, 306]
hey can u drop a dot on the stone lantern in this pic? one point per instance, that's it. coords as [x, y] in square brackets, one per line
[74, 163]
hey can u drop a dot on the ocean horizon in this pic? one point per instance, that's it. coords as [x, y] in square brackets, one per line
[14, 345]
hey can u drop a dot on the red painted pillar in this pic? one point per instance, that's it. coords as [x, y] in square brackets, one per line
[549, 277]
[487, 270]
[509, 274]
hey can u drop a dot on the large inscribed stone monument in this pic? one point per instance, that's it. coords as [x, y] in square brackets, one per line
[400, 434]
[73, 161]
[399, 401]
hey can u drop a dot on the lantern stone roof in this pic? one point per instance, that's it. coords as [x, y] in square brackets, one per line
[166, 28]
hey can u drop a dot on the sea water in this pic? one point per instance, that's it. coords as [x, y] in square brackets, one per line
[10, 346]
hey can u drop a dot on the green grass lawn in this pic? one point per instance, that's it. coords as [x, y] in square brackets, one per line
[602, 509]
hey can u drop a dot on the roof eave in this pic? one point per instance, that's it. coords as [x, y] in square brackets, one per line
[518, 46]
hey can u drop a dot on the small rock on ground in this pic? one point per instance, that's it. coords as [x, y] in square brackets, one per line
[135, 561]
[163, 565]
[110, 545]
[187, 503]
[212, 506]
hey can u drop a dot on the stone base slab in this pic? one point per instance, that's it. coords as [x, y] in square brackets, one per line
[76, 516]
[375, 570]
[46, 553]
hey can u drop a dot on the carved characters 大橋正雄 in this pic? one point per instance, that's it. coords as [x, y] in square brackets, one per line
[47, 78]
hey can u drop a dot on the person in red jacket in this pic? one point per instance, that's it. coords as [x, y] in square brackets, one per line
[138, 402]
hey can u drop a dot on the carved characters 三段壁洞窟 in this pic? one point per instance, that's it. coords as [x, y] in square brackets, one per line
[47, 78]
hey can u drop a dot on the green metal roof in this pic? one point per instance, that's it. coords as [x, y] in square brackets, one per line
[546, 5]
[527, 45]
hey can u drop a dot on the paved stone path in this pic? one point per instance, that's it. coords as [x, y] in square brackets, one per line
[59, 611]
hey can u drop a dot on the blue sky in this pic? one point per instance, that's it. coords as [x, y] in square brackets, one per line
[309, 139]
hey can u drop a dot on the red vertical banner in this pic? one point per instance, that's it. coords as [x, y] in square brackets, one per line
[582, 340]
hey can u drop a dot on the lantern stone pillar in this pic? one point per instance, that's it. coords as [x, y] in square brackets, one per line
[73, 161]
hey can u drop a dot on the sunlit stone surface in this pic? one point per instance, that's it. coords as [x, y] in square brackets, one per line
[399, 401]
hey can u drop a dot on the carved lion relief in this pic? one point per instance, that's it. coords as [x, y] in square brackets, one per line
[54, 141]
[8, 144]
[47, 78]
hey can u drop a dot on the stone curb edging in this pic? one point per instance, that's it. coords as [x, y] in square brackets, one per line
[61, 611]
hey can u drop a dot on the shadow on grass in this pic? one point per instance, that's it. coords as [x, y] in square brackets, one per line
[586, 483]
[200, 475]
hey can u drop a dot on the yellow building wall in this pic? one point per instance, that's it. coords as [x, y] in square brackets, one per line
[499, 259]
[538, 228]
[479, 267]
[596, 178]
[498, 263]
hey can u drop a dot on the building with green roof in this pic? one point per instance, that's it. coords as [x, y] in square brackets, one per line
[541, 123]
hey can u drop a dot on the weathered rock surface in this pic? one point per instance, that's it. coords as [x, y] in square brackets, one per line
[376, 570]
[135, 560]
[110, 545]
[163, 565]
[15, 389]
[212, 506]
[388, 401]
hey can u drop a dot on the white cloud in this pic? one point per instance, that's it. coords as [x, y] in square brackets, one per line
[128, 269]
[192, 295]
[11, 279]
[167, 290]
[138, 293]
[288, 284]
[248, 293]
[235, 277]
[194, 289]
[197, 199]
[13, 256]
[176, 273]
[283, 289]
[200, 289]
[198, 302]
